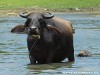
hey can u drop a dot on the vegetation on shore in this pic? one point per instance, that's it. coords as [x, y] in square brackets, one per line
[45, 5]
[48, 4]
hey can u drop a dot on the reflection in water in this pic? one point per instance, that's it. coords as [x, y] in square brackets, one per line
[48, 68]
[14, 54]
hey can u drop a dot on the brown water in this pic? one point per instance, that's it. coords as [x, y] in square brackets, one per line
[14, 53]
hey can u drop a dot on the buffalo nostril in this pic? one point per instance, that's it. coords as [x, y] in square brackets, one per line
[33, 31]
[33, 28]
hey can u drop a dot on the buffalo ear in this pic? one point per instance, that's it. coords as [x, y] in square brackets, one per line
[52, 28]
[20, 29]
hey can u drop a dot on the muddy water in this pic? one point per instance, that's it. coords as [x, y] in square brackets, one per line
[14, 53]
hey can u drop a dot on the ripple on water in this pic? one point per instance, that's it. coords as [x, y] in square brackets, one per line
[14, 54]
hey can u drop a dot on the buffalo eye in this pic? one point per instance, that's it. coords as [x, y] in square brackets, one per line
[42, 23]
[27, 22]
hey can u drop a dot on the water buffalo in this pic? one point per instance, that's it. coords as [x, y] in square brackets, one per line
[84, 53]
[50, 39]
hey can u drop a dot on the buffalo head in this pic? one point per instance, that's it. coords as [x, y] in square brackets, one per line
[35, 23]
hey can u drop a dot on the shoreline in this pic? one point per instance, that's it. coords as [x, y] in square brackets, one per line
[15, 12]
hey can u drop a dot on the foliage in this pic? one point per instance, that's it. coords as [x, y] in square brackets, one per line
[48, 4]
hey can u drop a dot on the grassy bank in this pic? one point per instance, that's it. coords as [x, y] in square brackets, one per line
[48, 4]
[15, 6]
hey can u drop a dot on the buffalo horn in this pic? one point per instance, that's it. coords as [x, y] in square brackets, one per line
[24, 14]
[48, 15]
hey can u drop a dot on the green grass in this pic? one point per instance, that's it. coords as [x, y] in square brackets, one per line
[49, 4]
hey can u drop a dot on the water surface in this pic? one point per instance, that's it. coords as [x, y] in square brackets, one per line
[14, 53]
